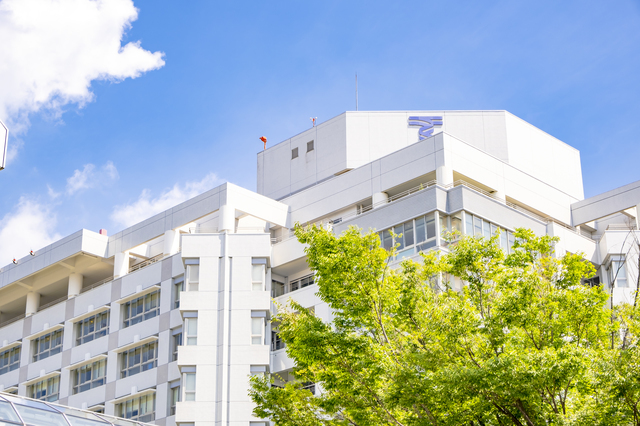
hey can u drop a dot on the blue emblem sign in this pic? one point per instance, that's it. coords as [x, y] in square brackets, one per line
[426, 125]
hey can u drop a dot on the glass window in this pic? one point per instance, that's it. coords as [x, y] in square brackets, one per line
[141, 409]
[139, 359]
[618, 274]
[45, 390]
[7, 412]
[39, 416]
[92, 328]
[176, 341]
[431, 225]
[510, 241]
[486, 229]
[189, 386]
[477, 226]
[193, 277]
[10, 360]
[89, 376]
[47, 345]
[309, 146]
[142, 308]
[408, 234]
[174, 398]
[456, 222]
[257, 277]
[504, 243]
[191, 327]
[257, 331]
[277, 289]
[276, 341]
[421, 230]
[178, 286]
[387, 241]
[294, 153]
[399, 240]
[468, 223]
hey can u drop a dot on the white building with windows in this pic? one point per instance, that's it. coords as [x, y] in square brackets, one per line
[164, 321]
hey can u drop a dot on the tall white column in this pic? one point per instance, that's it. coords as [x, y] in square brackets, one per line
[75, 285]
[121, 264]
[227, 219]
[444, 175]
[33, 303]
[379, 199]
[638, 217]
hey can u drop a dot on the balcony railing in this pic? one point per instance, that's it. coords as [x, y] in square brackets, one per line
[53, 302]
[12, 320]
[94, 285]
[146, 263]
[622, 227]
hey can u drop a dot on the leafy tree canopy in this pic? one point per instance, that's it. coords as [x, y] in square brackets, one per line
[522, 343]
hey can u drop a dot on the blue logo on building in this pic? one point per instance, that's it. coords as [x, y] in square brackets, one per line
[426, 125]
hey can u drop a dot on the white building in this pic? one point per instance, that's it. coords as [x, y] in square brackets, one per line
[164, 321]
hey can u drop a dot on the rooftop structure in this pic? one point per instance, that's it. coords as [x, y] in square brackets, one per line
[175, 312]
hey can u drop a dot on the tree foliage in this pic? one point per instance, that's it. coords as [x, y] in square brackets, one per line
[522, 343]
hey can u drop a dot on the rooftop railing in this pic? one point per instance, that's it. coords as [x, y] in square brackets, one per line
[622, 227]
[53, 302]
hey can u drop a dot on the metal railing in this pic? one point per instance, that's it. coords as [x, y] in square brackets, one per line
[12, 320]
[203, 230]
[146, 263]
[53, 302]
[94, 285]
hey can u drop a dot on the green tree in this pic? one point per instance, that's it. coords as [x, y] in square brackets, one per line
[523, 342]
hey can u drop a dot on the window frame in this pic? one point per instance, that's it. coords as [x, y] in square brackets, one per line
[258, 285]
[121, 409]
[175, 396]
[144, 314]
[13, 357]
[189, 339]
[177, 286]
[94, 382]
[96, 333]
[176, 342]
[186, 392]
[58, 335]
[192, 284]
[310, 146]
[47, 397]
[260, 335]
[125, 368]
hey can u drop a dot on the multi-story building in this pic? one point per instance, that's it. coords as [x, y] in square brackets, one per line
[165, 321]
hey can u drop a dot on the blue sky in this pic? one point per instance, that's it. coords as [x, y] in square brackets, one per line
[234, 71]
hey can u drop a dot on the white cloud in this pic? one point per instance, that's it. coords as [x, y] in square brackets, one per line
[89, 178]
[30, 226]
[146, 206]
[52, 50]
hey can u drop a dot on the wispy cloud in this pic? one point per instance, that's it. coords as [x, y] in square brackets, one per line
[89, 177]
[146, 206]
[57, 48]
[30, 226]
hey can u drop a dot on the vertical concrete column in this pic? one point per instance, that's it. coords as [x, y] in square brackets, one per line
[444, 175]
[171, 242]
[33, 303]
[75, 284]
[638, 217]
[227, 219]
[121, 264]
[379, 199]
